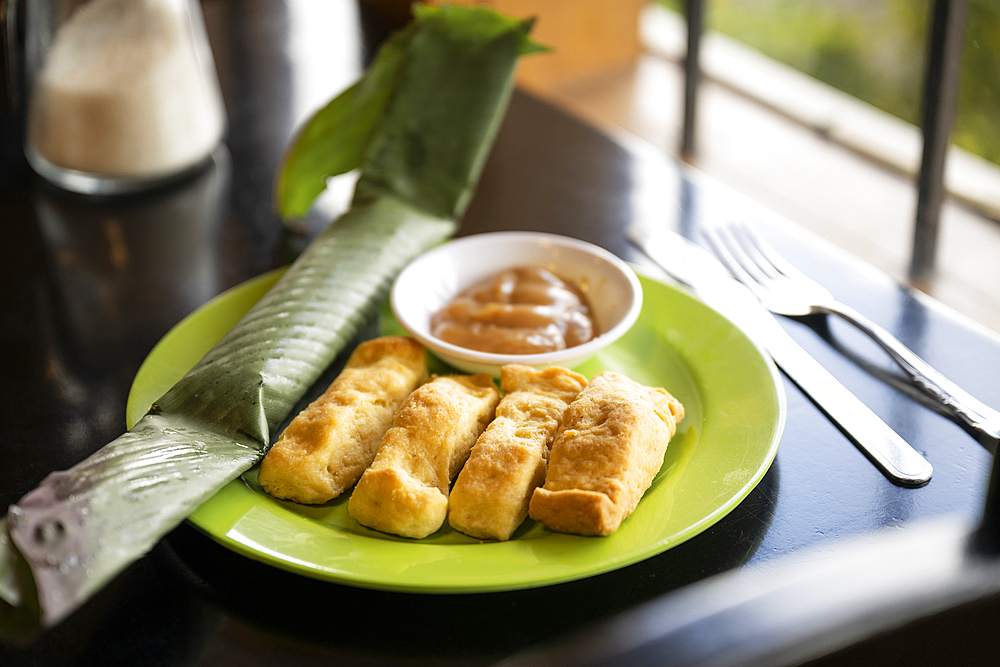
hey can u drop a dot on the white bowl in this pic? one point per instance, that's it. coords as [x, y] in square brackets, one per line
[434, 278]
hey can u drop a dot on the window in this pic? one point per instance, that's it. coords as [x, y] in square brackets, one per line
[813, 108]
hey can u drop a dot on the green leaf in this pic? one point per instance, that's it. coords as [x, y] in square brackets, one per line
[249, 381]
[334, 140]
[81, 527]
[420, 123]
[430, 147]
[479, 24]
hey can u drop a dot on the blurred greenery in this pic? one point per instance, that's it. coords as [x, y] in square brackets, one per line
[875, 50]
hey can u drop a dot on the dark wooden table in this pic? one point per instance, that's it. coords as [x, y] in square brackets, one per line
[89, 286]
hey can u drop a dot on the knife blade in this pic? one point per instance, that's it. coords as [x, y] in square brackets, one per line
[695, 267]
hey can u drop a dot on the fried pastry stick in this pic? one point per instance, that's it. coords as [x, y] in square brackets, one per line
[327, 446]
[405, 491]
[490, 497]
[605, 455]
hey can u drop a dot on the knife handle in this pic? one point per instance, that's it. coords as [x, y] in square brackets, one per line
[893, 455]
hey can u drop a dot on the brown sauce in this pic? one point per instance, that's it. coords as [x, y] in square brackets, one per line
[526, 310]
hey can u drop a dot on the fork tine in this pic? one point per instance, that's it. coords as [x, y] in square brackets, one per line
[727, 234]
[720, 251]
[767, 252]
[742, 236]
[723, 250]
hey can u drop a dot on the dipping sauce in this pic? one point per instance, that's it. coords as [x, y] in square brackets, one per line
[525, 310]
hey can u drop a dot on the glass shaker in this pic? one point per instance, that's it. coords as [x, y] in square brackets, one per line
[122, 94]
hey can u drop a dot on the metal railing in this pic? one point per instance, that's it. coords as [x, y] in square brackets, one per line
[944, 52]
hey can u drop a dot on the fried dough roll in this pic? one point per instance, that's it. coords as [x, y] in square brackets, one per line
[605, 455]
[327, 446]
[405, 491]
[490, 497]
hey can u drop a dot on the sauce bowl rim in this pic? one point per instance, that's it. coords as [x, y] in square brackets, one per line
[578, 353]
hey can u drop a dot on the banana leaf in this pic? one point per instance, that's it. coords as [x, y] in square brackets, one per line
[408, 123]
[419, 125]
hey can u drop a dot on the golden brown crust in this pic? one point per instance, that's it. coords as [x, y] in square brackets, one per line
[605, 455]
[405, 491]
[326, 447]
[490, 496]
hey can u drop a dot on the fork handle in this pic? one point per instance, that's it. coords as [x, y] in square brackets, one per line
[976, 415]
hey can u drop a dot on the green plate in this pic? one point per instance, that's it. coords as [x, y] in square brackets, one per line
[735, 407]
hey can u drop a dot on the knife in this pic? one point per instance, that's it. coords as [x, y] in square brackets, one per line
[695, 267]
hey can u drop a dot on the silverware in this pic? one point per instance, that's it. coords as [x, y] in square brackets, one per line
[784, 290]
[697, 268]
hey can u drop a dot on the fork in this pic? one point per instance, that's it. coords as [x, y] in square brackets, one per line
[784, 290]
